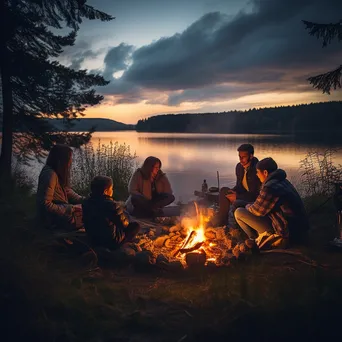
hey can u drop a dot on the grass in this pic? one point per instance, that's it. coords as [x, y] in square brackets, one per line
[50, 293]
[114, 160]
[51, 296]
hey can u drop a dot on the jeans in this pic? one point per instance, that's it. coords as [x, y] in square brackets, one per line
[231, 217]
[252, 225]
[147, 208]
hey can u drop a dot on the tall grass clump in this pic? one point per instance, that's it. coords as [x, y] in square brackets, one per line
[113, 160]
[318, 172]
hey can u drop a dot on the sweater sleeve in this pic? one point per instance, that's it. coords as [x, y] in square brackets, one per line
[118, 233]
[167, 185]
[74, 197]
[133, 185]
[46, 190]
[264, 203]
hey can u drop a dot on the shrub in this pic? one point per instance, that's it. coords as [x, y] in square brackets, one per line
[112, 160]
[319, 172]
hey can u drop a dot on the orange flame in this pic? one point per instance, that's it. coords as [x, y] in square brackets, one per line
[199, 229]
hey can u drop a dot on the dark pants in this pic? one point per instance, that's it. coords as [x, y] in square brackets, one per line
[128, 233]
[224, 206]
[148, 208]
[131, 231]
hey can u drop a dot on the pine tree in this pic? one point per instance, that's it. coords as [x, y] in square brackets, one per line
[326, 32]
[35, 86]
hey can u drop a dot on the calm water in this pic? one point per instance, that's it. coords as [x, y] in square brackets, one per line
[189, 158]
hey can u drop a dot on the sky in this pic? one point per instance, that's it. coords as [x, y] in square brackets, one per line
[193, 56]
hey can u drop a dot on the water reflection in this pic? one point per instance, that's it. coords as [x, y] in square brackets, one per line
[190, 158]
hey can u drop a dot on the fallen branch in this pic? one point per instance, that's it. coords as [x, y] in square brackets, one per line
[188, 250]
[306, 260]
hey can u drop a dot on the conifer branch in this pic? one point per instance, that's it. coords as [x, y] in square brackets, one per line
[325, 82]
[326, 32]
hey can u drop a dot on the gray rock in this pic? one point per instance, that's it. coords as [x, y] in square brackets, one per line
[129, 252]
[175, 266]
[162, 258]
[144, 258]
[226, 259]
[136, 247]
[151, 234]
[211, 265]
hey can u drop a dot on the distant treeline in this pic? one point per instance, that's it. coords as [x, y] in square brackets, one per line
[86, 124]
[323, 116]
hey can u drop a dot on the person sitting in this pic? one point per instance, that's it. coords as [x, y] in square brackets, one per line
[245, 191]
[104, 220]
[58, 206]
[277, 210]
[149, 190]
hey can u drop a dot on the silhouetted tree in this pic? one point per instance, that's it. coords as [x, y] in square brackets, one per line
[326, 32]
[34, 85]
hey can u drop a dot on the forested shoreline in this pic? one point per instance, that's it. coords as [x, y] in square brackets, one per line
[314, 117]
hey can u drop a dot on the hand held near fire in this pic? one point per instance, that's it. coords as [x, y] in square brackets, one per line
[231, 196]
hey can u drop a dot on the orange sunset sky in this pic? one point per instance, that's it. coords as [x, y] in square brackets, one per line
[192, 56]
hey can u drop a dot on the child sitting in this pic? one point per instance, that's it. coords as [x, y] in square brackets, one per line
[104, 221]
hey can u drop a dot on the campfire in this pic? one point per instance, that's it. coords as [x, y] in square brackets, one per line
[190, 243]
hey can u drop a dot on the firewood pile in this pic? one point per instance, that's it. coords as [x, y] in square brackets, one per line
[182, 245]
[187, 243]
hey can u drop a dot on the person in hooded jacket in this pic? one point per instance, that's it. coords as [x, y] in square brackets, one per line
[149, 190]
[278, 209]
[105, 222]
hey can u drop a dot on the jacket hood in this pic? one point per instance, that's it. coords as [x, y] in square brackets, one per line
[277, 175]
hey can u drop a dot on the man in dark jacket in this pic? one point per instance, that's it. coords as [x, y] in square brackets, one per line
[246, 189]
[104, 221]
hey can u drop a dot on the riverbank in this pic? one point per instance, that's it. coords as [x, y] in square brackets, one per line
[49, 294]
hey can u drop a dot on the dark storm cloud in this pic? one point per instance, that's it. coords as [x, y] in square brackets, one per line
[117, 59]
[267, 46]
[78, 53]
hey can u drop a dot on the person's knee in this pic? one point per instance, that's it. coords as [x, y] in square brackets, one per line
[239, 213]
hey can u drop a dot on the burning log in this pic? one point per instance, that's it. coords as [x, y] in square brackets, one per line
[191, 249]
[188, 241]
[196, 259]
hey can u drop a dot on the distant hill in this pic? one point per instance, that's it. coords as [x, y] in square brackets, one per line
[85, 124]
[314, 117]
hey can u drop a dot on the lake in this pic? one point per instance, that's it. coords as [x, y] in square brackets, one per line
[189, 158]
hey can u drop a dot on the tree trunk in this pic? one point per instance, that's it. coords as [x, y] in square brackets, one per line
[7, 100]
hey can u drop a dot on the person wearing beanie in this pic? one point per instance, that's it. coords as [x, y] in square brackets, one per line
[278, 209]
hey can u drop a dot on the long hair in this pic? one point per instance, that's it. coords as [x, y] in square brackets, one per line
[147, 166]
[59, 160]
